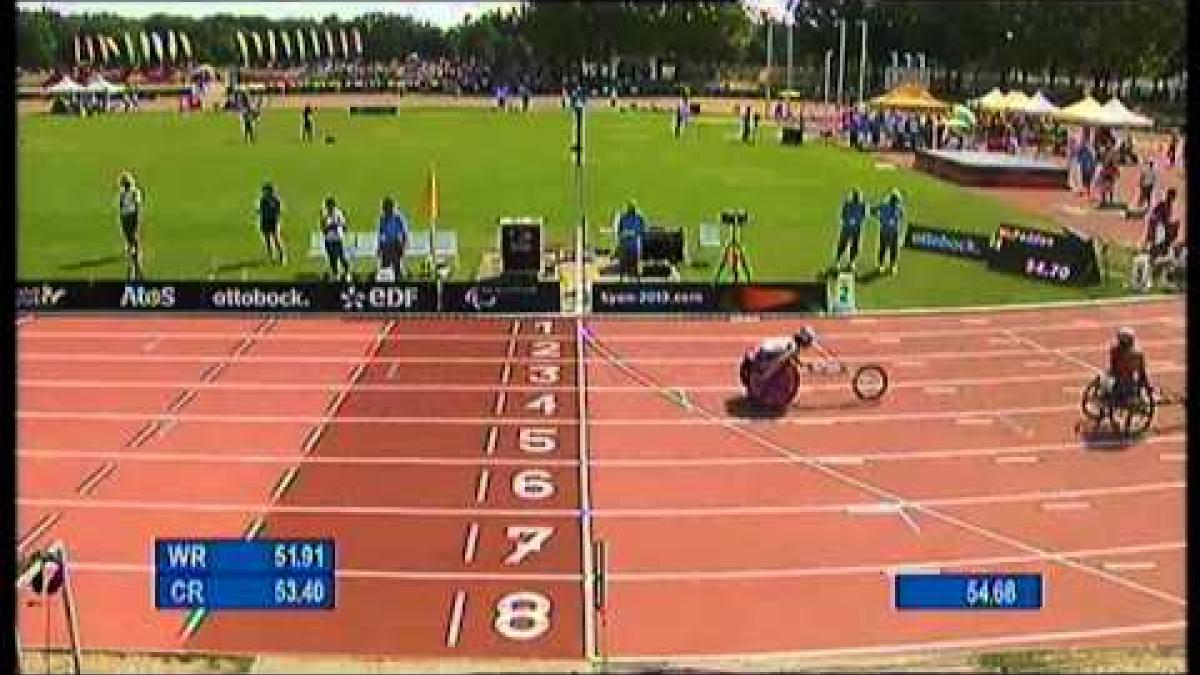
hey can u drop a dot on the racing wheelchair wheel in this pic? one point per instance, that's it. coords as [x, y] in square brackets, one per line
[1095, 400]
[1135, 417]
[775, 392]
[870, 382]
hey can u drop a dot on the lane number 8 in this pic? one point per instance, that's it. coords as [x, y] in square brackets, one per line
[522, 616]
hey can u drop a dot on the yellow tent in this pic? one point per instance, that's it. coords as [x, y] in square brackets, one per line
[993, 100]
[1086, 112]
[909, 97]
[1015, 101]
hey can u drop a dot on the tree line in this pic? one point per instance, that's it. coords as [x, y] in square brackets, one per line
[1094, 43]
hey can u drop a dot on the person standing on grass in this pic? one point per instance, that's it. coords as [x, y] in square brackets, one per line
[891, 215]
[393, 237]
[307, 133]
[129, 209]
[270, 210]
[333, 231]
[248, 124]
[854, 212]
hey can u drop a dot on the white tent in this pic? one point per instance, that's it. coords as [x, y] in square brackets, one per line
[1124, 117]
[65, 86]
[1039, 105]
[99, 85]
[993, 100]
[1085, 112]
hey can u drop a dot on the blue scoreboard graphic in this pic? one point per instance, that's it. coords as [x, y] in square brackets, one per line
[969, 592]
[216, 574]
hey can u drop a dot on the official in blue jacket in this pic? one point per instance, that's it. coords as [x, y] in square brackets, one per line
[891, 216]
[854, 212]
[393, 237]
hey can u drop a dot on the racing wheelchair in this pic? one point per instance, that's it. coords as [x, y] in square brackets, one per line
[1131, 416]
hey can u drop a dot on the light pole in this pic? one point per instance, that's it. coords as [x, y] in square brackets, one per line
[862, 63]
[841, 58]
[828, 67]
[791, 24]
[770, 56]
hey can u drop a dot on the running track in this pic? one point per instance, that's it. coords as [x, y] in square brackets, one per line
[463, 466]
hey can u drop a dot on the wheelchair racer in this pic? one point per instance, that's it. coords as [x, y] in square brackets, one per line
[1126, 369]
[771, 353]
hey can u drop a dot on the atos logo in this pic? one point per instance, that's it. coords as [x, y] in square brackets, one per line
[480, 299]
[136, 296]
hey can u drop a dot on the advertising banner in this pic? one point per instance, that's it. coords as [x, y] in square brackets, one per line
[501, 298]
[922, 237]
[701, 297]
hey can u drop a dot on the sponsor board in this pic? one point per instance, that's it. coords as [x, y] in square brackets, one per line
[923, 237]
[192, 296]
[515, 298]
[1064, 257]
[666, 297]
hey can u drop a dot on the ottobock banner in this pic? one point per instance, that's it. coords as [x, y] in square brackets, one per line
[192, 296]
[501, 298]
[950, 242]
[699, 297]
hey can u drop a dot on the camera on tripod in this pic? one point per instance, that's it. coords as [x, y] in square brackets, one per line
[733, 217]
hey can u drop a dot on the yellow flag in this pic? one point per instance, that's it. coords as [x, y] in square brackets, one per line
[432, 196]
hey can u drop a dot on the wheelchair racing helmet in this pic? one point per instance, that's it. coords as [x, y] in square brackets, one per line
[1125, 337]
[805, 337]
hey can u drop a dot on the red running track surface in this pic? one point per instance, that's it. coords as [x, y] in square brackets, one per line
[464, 484]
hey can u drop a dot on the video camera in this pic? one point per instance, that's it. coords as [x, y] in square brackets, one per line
[733, 217]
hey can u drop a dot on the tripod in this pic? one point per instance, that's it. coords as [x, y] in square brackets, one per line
[733, 257]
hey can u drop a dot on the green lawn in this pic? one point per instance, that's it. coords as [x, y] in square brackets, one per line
[201, 182]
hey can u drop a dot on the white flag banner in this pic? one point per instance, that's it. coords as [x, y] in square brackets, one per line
[146, 47]
[243, 48]
[186, 43]
[358, 41]
[103, 44]
[271, 44]
[287, 44]
[113, 48]
[329, 43]
[158, 47]
[78, 50]
[172, 44]
[345, 44]
[258, 45]
[316, 42]
[300, 44]
[91, 47]
[130, 52]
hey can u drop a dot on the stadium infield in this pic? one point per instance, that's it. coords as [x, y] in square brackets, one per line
[201, 181]
[417, 444]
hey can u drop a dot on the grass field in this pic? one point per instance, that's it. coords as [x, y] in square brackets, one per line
[201, 183]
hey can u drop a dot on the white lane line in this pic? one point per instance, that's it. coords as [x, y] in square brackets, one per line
[884, 340]
[29, 355]
[471, 544]
[731, 421]
[974, 321]
[687, 458]
[498, 409]
[1066, 506]
[481, 487]
[1038, 363]
[454, 628]
[152, 344]
[974, 421]
[883, 508]
[1017, 459]
[391, 371]
[910, 363]
[85, 488]
[425, 388]
[1060, 353]
[1015, 426]
[1131, 566]
[658, 576]
[489, 444]
[1172, 321]
[940, 391]
[48, 521]
[506, 373]
[1047, 496]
